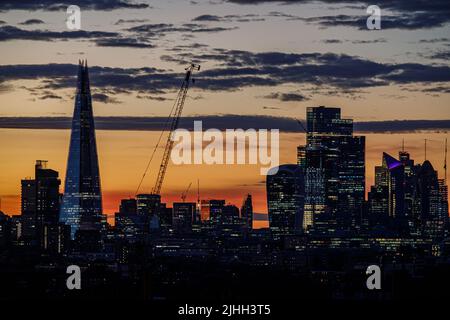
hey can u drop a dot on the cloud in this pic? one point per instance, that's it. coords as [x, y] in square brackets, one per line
[285, 97]
[411, 21]
[207, 17]
[435, 40]
[330, 41]
[123, 42]
[228, 18]
[103, 98]
[155, 98]
[124, 21]
[158, 30]
[220, 122]
[437, 89]
[405, 14]
[236, 70]
[441, 55]
[50, 96]
[8, 33]
[51, 5]
[31, 22]
[333, 41]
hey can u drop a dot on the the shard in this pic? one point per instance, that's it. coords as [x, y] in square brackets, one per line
[82, 201]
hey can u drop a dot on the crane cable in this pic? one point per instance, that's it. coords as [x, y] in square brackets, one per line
[156, 146]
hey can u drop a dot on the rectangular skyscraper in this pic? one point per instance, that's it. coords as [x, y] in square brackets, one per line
[335, 171]
[82, 201]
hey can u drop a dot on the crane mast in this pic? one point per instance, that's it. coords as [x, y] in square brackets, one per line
[179, 103]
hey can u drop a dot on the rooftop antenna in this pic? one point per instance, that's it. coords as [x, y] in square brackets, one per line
[425, 149]
[403, 145]
[445, 162]
[198, 191]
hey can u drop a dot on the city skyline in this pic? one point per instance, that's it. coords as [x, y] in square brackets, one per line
[137, 54]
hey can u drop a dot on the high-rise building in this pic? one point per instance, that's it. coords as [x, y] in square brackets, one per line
[335, 170]
[28, 211]
[47, 197]
[82, 202]
[127, 222]
[183, 216]
[149, 208]
[5, 230]
[247, 212]
[387, 196]
[430, 209]
[285, 199]
[301, 156]
[216, 209]
[40, 202]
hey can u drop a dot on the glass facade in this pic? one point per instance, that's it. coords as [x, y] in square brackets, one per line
[82, 202]
[335, 170]
[285, 198]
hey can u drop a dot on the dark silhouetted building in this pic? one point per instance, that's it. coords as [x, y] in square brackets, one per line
[430, 209]
[40, 203]
[387, 196]
[82, 202]
[247, 212]
[335, 170]
[183, 216]
[149, 208]
[285, 199]
[128, 223]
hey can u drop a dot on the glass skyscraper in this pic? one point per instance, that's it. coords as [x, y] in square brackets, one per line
[285, 199]
[82, 201]
[335, 170]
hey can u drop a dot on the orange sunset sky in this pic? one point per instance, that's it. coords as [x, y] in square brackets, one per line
[261, 59]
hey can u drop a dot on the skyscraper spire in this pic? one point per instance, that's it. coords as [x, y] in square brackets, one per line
[82, 201]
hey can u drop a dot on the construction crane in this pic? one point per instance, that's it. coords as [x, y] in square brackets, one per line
[301, 124]
[185, 193]
[179, 104]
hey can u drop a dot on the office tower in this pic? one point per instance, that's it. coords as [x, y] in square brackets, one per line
[409, 182]
[82, 201]
[27, 224]
[5, 230]
[391, 175]
[230, 215]
[430, 209]
[335, 171]
[301, 157]
[47, 199]
[387, 196]
[165, 216]
[216, 209]
[247, 212]
[443, 191]
[149, 208]
[285, 199]
[183, 216]
[40, 203]
[127, 222]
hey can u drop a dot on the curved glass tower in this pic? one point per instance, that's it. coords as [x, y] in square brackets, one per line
[82, 201]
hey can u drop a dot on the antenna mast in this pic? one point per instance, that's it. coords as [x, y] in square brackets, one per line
[445, 162]
[425, 150]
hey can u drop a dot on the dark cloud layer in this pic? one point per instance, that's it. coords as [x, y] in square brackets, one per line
[219, 122]
[31, 22]
[285, 97]
[51, 5]
[8, 33]
[405, 14]
[236, 70]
